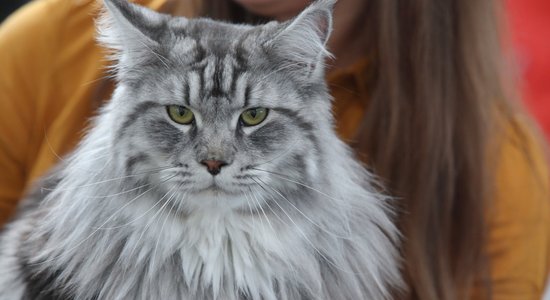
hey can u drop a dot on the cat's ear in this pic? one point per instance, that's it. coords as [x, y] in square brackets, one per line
[133, 31]
[301, 42]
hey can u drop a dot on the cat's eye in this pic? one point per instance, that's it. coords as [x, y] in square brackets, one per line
[180, 114]
[253, 116]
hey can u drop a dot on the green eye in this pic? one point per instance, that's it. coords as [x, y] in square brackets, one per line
[180, 114]
[253, 116]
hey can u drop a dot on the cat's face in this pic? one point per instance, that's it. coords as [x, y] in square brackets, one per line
[217, 109]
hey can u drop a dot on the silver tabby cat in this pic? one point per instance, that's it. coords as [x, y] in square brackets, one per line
[214, 172]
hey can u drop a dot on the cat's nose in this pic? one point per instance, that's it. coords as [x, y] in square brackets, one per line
[213, 166]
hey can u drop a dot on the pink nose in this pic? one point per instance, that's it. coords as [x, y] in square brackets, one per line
[213, 166]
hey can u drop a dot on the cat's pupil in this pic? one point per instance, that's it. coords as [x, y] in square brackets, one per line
[253, 113]
[181, 110]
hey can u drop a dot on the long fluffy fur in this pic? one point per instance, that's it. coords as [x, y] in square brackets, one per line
[294, 216]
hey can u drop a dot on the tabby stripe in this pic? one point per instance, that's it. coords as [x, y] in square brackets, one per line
[241, 57]
[239, 67]
[134, 116]
[186, 94]
[200, 53]
[304, 125]
[217, 89]
[132, 161]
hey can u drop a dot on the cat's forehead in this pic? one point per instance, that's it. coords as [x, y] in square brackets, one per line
[217, 38]
[211, 64]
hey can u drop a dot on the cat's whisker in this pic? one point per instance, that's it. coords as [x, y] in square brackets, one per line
[103, 224]
[280, 176]
[119, 193]
[252, 202]
[135, 198]
[268, 193]
[287, 150]
[166, 217]
[102, 169]
[250, 209]
[61, 159]
[267, 203]
[105, 77]
[143, 214]
[93, 177]
[328, 261]
[348, 237]
[152, 171]
[163, 168]
[149, 223]
[341, 205]
[263, 211]
[181, 204]
[161, 58]
[130, 190]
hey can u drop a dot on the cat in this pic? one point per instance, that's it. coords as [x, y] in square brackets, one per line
[214, 172]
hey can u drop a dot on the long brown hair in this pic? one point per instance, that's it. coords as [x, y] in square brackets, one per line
[427, 132]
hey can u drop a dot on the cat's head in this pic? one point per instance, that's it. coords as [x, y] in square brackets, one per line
[222, 109]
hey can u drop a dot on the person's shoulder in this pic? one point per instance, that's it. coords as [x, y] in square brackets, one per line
[39, 16]
[521, 161]
[519, 213]
[522, 179]
[32, 33]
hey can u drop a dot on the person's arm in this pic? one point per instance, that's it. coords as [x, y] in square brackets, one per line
[519, 222]
[25, 58]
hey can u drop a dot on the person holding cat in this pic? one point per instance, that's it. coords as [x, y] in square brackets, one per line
[419, 91]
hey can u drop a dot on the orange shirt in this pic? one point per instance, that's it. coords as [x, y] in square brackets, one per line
[51, 70]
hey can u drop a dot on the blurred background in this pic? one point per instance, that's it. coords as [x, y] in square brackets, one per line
[529, 26]
[529, 22]
[8, 6]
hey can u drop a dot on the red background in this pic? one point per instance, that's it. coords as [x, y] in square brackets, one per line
[529, 22]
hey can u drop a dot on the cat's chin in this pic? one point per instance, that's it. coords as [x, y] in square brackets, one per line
[215, 187]
[215, 191]
[216, 196]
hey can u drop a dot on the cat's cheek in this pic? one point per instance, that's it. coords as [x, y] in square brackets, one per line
[166, 139]
[269, 139]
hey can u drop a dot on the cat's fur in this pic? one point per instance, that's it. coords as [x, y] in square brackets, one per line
[133, 214]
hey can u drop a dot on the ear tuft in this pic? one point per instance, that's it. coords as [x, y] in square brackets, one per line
[302, 40]
[132, 31]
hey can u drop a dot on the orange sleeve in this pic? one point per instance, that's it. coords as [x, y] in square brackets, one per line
[519, 221]
[24, 58]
